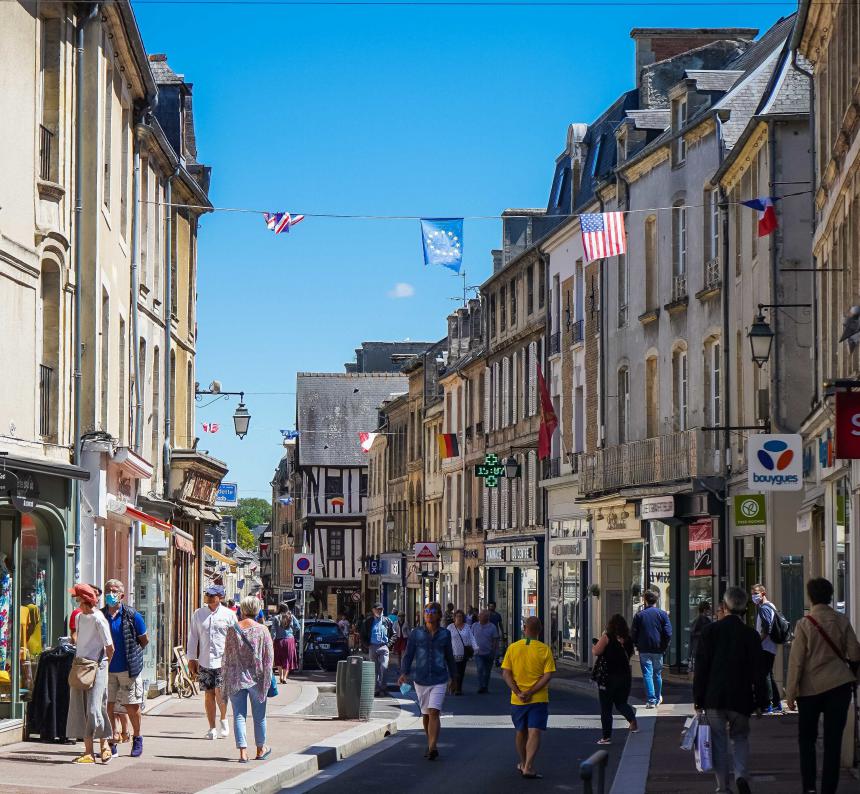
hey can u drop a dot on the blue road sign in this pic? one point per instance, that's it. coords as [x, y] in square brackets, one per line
[228, 494]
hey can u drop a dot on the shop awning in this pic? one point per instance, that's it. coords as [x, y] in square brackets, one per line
[183, 544]
[151, 521]
[217, 555]
[210, 516]
[34, 466]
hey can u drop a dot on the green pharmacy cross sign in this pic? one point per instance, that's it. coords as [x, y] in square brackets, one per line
[490, 470]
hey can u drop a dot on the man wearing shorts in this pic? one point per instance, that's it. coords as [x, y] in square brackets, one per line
[125, 682]
[431, 651]
[207, 633]
[527, 668]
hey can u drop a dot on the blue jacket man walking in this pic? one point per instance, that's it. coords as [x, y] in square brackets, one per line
[651, 632]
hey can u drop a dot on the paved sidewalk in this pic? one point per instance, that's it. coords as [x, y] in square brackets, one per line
[177, 758]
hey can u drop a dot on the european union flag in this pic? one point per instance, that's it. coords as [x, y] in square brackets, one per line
[443, 242]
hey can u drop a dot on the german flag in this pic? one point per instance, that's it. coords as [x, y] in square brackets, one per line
[448, 447]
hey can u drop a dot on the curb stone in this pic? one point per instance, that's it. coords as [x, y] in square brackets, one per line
[295, 767]
[631, 777]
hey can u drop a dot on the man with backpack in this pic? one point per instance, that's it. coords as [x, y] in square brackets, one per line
[772, 627]
[376, 636]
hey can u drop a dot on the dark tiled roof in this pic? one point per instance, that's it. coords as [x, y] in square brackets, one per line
[650, 119]
[714, 80]
[333, 408]
[162, 72]
[756, 55]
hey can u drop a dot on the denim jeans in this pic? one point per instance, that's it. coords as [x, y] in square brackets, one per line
[240, 711]
[726, 725]
[379, 656]
[484, 663]
[652, 667]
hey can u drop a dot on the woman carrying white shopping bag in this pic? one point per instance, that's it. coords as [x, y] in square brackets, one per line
[729, 685]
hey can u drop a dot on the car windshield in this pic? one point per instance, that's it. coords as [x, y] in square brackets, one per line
[324, 630]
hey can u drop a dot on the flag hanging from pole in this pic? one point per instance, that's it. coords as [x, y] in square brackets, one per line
[548, 419]
[767, 221]
[442, 239]
[448, 446]
[602, 235]
[278, 222]
[211, 427]
[366, 440]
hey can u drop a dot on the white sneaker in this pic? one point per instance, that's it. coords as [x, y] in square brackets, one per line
[211, 734]
[225, 729]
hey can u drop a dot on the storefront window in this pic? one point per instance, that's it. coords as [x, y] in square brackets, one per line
[749, 567]
[633, 562]
[499, 594]
[150, 577]
[696, 577]
[567, 609]
[660, 539]
[529, 593]
[842, 547]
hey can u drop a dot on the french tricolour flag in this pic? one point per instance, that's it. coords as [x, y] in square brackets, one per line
[766, 214]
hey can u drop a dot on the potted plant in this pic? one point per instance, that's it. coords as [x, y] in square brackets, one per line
[594, 590]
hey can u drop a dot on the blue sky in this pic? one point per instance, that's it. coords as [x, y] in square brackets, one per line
[374, 111]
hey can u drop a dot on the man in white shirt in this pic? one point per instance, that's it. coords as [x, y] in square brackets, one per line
[206, 635]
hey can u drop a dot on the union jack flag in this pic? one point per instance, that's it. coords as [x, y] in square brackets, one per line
[278, 222]
[602, 234]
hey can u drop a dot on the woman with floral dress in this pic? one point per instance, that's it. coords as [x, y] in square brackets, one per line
[247, 675]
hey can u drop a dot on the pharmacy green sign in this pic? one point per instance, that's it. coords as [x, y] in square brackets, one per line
[750, 510]
[491, 470]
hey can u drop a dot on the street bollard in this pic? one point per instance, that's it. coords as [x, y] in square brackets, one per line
[586, 772]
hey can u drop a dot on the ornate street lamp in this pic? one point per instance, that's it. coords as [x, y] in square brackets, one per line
[761, 340]
[512, 468]
[241, 420]
[241, 416]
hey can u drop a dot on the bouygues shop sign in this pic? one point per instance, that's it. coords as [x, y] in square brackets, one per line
[848, 425]
[775, 462]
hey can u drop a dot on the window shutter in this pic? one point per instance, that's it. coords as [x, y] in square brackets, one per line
[532, 486]
[494, 509]
[524, 489]
[504, 502]
[487, 399]
[497, 394]
[532, 378]
[485, 506]
[515, 495]
[506, 396]
[514, 387]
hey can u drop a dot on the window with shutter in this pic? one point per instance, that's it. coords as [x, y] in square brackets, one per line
[497, 395]
[506, 395]
[524, 490]
[532, 378]
[503, 488]
[485, 505]
[514, 360]
[486, 399]
[494, 509]
[532, 486]
[515, 496]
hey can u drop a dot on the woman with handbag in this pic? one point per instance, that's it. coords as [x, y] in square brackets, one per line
[464, 646]
[611, 671]
[822, 674]
[246, 674]
[285, 626]
[88, 679]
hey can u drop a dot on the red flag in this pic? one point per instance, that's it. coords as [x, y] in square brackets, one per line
[548, 419]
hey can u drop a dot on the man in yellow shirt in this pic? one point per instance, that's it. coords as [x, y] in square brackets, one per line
[527, 669]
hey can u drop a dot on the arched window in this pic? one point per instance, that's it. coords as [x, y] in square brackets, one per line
[652, 397]
[679, 249]
[680, 386]
[50, 360]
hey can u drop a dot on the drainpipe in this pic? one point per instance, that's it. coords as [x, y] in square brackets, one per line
[135, 289]
[773, 398]
[79, 212]
[168, 309]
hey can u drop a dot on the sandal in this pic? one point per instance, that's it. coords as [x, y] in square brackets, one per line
[532, 775]
[106, 754]
[86, 758]
[265, 754]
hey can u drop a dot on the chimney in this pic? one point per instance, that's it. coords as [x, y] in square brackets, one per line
[157, 57]
[498, 262]
[658, 44]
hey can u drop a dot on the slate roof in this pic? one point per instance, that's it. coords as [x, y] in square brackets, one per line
[791, 93]
[650, 119]
[714, 80]
[333, 408]
[162, 72]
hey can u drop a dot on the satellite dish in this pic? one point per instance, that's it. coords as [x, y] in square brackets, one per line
[215, 387]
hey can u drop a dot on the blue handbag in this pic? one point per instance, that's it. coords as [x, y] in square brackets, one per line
[273, 687]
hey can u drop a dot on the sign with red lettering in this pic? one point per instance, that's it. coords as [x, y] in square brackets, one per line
[701, 545]
[848, 425]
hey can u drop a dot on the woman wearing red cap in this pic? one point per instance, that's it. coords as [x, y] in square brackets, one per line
[88, 717]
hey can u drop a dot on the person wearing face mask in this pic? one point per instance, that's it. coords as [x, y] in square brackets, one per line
[125, 682]
[765, 613]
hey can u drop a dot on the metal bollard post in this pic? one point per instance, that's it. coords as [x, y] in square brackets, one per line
[597, 761]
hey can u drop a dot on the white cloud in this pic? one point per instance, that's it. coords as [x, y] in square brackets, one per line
[401, 290]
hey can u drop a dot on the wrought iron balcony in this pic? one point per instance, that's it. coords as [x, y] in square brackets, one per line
[679, 287]
[712, 274]
[46, 138]
[46, 376]
[578, 330]
[555, 343]
[552, 468]
[679, 456]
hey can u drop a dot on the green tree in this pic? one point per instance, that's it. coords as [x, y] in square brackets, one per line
[244, 537]
[252, 511]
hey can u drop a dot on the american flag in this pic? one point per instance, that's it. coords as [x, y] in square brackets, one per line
[602, 235]
[278, 222]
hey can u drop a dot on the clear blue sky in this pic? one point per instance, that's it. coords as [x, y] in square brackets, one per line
[379, 111]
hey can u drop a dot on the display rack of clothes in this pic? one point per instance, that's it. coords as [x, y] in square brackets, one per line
[5, 613]
[49, 706]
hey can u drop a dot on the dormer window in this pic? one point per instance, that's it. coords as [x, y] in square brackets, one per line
[595, 160]
[679, 119]
[622, 147]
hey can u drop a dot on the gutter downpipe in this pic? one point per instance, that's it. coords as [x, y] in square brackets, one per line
[79, 211]
[723, 551]
[775, 420]
[168, 311]
[135, 289]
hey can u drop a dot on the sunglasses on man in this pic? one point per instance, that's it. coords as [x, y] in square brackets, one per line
[431, 611]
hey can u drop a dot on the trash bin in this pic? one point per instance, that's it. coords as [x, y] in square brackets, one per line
[354, 686]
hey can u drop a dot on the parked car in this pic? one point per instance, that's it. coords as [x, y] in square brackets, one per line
[324, 645]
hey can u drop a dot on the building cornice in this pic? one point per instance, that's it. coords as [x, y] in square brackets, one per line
[742, 158]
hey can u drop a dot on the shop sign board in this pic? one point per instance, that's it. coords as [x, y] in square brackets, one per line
[750, 510]
[701, 544]
[521, 553]
[303, 564]
[568, 549]
[657, 507]
[775, 462]
[426, 552]
[491, 470]
[303, 583]
[848, 425]
[373, 566]
[227, 495]
[494, 554]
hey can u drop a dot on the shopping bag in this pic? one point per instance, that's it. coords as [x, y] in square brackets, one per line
[688, 737]
[704, 759]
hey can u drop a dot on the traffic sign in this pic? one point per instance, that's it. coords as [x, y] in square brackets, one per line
[356, 596]
[303, 564]
[425, 551]
[303, 583]
[228, 495]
